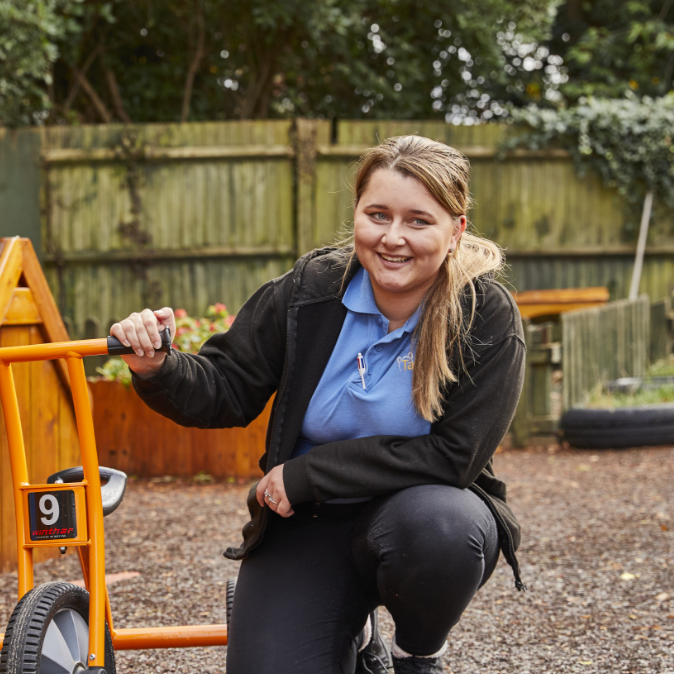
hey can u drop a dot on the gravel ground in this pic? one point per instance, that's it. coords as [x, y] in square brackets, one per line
[597, 556]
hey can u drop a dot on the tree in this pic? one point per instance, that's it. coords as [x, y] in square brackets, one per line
[612, 47]
[30, 31]
[142, 60]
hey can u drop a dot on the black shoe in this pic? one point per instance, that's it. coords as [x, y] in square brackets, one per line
[418, 665]
[375, 658]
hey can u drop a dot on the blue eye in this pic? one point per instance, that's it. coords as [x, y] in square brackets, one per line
[375, 216]
[419, 221]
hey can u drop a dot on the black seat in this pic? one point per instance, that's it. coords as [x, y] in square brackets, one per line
[113, 484]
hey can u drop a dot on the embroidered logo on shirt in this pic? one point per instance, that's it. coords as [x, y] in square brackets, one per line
[406, 362]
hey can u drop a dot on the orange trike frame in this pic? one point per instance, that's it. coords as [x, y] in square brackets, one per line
[90, 547]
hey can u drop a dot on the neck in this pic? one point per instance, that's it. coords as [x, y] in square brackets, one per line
[397, 307]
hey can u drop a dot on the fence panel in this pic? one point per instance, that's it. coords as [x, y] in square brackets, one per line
[602, 344]
[159, 214]
[190, 214]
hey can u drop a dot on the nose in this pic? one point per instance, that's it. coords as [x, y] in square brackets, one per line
[393, 235]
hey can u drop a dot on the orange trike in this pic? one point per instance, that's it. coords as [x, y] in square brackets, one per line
[58, 627]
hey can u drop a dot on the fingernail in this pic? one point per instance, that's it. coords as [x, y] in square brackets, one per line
[126, 343]
[150, 353]
[140, 352]
[157, 343]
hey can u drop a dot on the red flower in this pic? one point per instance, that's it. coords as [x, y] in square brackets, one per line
[180, 313]
[219, 306]
[229, 320]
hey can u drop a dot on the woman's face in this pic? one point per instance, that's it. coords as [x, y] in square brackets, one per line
[402, 234]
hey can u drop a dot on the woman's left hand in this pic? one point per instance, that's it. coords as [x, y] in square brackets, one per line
[272, 484]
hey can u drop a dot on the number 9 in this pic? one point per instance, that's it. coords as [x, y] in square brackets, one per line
[53, 510]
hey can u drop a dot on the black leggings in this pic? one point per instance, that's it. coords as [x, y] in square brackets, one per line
[305, 593]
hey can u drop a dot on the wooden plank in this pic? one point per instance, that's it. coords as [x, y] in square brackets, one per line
[587, 252]
[177, 253]
[22, 308]
[133, 438]
[11, 268]
[554, 309]
[14, 336]
[149, 153]
[471, 151]
[52, 321]
[563, 296]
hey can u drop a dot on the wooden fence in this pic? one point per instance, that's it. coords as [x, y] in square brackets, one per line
[604, 343]
[191, 214]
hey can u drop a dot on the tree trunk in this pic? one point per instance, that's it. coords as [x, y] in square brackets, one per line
[74, 90]
[196, 62]
[115, 95]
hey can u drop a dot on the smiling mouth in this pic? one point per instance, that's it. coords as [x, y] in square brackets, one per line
[391, 258]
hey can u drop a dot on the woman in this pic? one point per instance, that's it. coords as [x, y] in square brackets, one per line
[397, 363]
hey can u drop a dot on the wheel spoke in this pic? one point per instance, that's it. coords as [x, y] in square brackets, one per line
[75, 631]
[56, 656]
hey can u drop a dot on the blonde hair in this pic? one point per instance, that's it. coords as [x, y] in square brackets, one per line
[443, 327]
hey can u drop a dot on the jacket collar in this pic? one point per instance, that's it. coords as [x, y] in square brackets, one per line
[323, 274]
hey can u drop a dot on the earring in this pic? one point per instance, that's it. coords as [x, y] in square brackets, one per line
[451, 250]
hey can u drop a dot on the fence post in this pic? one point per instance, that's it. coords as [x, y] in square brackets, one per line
[305, 148]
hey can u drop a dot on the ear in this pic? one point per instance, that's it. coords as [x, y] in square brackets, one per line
[461, 223]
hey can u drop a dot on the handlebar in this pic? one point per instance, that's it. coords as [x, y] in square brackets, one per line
[109, 346]
[116, 348]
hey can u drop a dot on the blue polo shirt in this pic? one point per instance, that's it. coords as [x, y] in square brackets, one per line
[341, 409]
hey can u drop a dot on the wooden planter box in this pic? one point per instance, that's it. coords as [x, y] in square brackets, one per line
[133, 438]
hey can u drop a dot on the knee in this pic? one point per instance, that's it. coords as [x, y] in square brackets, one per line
[437, 519]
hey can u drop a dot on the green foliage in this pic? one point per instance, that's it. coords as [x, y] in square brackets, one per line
[191, 334]
[29, 33]
[201, 59]
[628, 142]
[115, 369]
[604, 400]
[648, 395]
[612, 47]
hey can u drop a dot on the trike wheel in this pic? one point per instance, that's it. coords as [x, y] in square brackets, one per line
[48, 633]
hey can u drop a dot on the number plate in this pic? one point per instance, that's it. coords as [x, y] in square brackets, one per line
[52, 515]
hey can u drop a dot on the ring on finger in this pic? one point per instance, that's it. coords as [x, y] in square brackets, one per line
[269, 496]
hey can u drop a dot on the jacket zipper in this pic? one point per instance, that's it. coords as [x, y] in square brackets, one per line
[504, 527]
[283, 386]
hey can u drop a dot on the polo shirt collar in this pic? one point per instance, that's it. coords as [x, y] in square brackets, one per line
[359, 298]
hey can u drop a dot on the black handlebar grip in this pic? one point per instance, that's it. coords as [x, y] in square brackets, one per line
[116, 348]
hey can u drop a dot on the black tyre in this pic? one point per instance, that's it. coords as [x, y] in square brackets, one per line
[48, 633]
[619, 428]
[231, 586]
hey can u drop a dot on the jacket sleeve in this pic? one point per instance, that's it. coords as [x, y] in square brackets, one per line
[478, 412]
[229, 382]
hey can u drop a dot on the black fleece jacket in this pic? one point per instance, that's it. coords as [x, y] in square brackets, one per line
[281, 342]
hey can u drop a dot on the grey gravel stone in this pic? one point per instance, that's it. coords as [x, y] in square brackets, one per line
[588, 519]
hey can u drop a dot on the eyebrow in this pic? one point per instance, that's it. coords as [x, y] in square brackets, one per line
[413, 210]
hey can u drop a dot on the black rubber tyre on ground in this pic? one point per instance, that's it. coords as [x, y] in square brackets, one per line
[48, 633]
[619, 428]
[231, 586]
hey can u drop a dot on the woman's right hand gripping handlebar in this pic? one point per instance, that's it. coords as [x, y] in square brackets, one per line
[141, 331]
